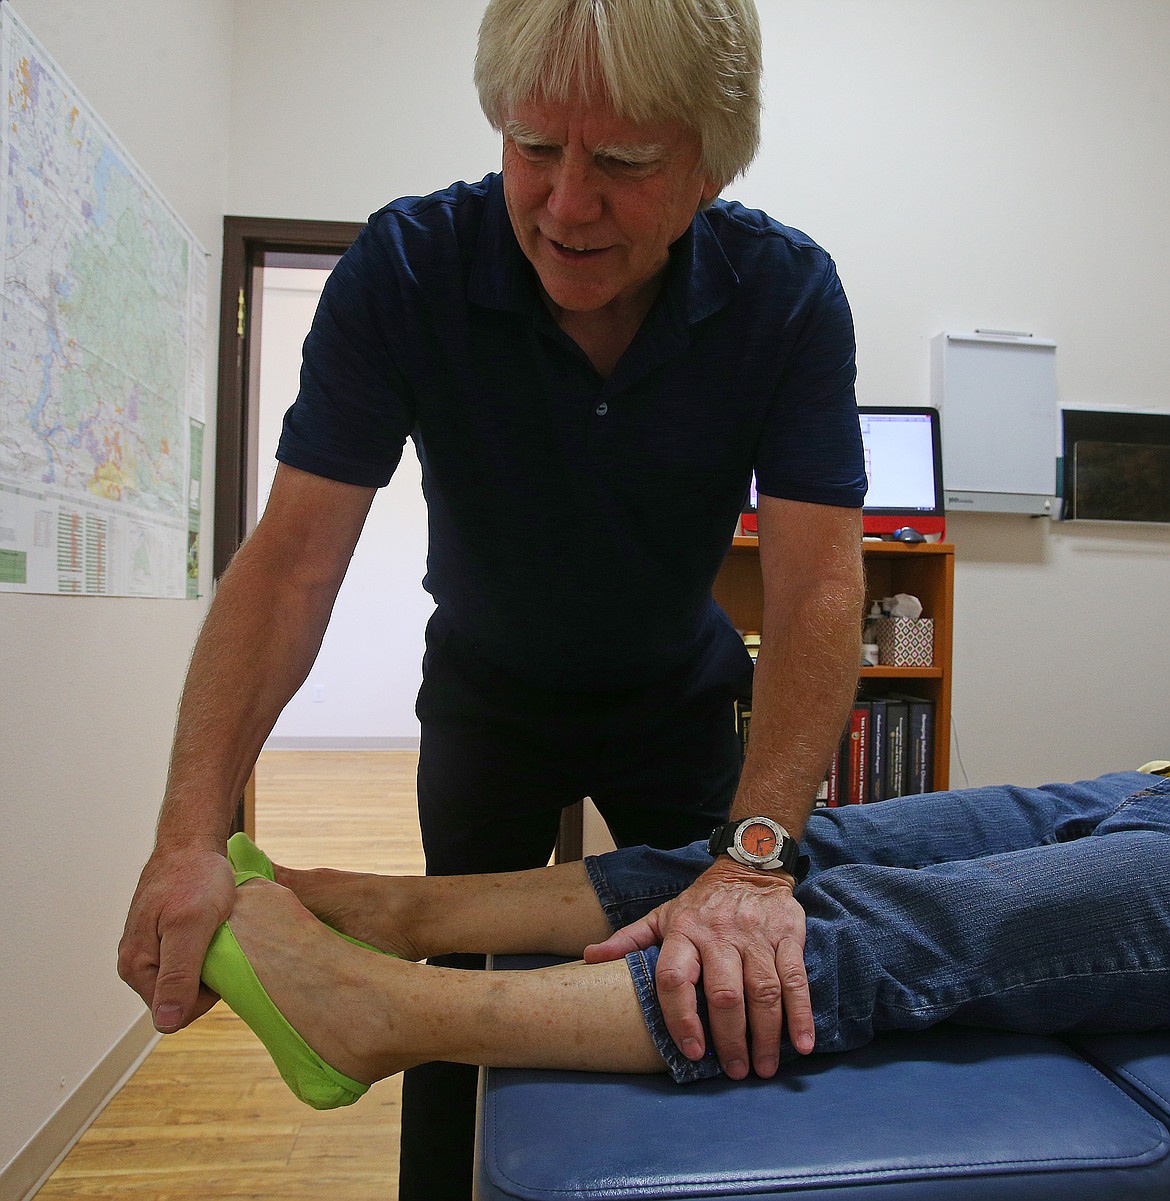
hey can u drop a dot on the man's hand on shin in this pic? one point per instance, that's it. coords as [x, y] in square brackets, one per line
[742, 931]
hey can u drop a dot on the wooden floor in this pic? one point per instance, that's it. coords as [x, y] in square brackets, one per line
[206, 1117]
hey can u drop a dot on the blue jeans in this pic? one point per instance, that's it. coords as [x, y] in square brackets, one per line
[1032, 909]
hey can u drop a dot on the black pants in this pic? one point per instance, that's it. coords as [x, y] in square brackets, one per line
[499, 760]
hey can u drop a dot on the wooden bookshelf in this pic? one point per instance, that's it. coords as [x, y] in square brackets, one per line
[925, 570]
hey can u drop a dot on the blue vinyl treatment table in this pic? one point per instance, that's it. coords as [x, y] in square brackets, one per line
[952, 1114]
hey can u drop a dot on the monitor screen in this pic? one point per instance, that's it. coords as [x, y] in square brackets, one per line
[903, 467]
[903, 464]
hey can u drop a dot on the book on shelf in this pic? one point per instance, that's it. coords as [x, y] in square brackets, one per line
[829, 793]
[897, 726]
[901, 746]
[743, 721]
[855, 756]
[920, 757]
[743, 702]
[847, 782]
[877, 749]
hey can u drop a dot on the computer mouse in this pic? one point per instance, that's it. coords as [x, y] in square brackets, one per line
[909, 534]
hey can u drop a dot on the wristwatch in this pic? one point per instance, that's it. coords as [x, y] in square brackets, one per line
[759, 842]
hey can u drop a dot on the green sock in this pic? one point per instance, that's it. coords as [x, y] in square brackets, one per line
[245, 856]
[226, 970]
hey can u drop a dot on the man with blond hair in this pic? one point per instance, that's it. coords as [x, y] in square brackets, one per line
[593, 353]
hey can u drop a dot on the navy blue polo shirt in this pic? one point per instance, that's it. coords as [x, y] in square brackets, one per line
[577, 522]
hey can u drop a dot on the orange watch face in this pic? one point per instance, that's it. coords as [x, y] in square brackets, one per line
[758, 839]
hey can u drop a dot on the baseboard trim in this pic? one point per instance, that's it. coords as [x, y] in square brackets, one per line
[341, 744]
[36, 1161]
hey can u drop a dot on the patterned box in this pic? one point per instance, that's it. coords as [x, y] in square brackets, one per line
[905, 641]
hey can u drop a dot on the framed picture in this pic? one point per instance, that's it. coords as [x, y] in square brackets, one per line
[1116, 466]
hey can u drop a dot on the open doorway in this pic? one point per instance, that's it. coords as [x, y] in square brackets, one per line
[360, 693]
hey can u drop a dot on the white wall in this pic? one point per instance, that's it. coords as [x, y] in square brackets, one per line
[377, 100]
[344, 106]
[89, 686]
[1005, 165]
[969, 163]
[360, 692]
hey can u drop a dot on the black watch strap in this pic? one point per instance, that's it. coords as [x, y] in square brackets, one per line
[721, 838]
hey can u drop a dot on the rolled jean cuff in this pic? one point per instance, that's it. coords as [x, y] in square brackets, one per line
[628, 884]
[642, 965]
[631, 882]
[610, 904]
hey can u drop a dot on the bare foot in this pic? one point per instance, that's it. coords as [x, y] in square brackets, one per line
[373, 908]
[339, 998]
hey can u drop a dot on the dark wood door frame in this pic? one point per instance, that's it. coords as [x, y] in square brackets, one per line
[247, 241]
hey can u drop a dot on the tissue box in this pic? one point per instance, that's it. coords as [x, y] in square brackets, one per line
[905, 641]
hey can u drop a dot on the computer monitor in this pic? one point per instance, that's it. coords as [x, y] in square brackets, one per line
[903, 463]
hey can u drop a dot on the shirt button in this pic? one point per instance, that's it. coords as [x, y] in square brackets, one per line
[602, 409]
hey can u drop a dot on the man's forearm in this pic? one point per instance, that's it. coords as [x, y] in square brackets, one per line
[798, 712]
[257, 645]
[805, 682]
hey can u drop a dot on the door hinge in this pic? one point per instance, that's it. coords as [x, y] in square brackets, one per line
[241, 312]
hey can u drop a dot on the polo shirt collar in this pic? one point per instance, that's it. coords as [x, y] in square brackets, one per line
[501, 275]
[699, 282]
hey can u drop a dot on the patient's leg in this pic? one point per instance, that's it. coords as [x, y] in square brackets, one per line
[943, 827]
[551, 909]
[369, 1016]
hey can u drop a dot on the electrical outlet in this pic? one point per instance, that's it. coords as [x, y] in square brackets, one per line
[318, 693]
